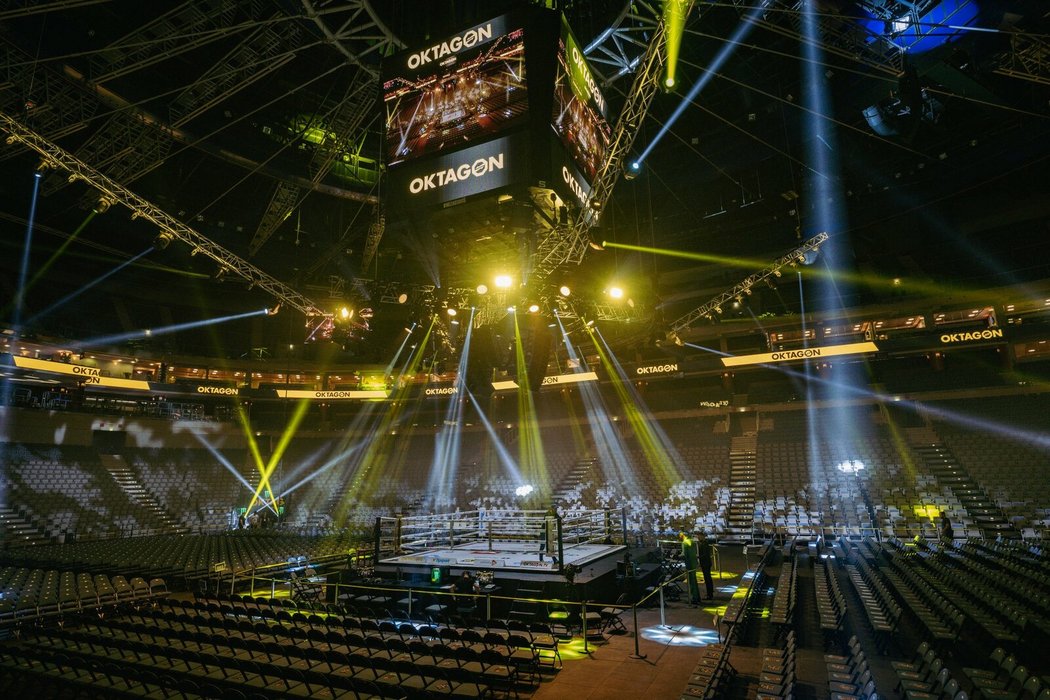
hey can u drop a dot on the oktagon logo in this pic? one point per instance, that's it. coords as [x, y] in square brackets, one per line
[465, 171]
[466, 40]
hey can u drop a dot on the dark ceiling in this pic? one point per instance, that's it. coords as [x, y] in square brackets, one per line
[963, 201]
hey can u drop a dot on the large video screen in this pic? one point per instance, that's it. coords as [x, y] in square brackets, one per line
[462, 173]
[466, 88]
[579, 116]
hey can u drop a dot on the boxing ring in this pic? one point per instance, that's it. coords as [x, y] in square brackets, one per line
[523, 544]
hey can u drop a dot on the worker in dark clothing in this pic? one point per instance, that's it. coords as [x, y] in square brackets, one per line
[947, 533]
[689, 556]
[704, 552]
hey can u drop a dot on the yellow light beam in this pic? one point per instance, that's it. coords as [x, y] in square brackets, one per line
[809, 271]
[286, 438]
[674, 13]
[253, 448]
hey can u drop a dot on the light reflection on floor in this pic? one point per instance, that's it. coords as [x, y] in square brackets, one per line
[680, 635]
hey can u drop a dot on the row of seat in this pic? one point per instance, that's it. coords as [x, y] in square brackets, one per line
[782, 611]
[881, 609]
[777, 678]
[831, 604]
[850, 675]
[513, 638]
[33, 593]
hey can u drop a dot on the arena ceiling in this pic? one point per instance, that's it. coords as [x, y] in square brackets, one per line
[213, 110]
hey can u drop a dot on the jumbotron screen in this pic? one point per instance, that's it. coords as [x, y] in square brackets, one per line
[579, 107]
[466, 88]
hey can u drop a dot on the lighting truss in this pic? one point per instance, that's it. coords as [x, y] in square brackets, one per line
[340, 122]
[620, 313]
[619, 49]
[715, 305]
[841, 36]
[1028, 58]
[354, 29]
[562, 245]
[140, 208]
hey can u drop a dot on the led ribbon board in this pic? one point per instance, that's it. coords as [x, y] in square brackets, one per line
[815, 353]
[574, 378]
[332, 395]
[88, 375]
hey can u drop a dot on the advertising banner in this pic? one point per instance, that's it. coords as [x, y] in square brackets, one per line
[814, 353]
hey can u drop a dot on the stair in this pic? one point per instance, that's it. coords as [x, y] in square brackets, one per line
[566, 488]
[137, 493]
[524, 610]
[740, 516]
[17, 530]
[940, 461]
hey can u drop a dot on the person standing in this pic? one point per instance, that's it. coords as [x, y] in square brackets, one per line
[689, 556]
[947, 533]
[705, 557]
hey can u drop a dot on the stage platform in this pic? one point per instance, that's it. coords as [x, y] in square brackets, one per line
[519, 560]
[523, 545]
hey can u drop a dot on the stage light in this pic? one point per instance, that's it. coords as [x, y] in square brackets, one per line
[402, 298]
[103, 205]
[503, 281]
[564, 290]
[595, 245]
[346, 314]
[669, 83]
[616, 292]
[524, 490]
[482, 289]
[274, 311]
[163, 240]
[533, 308]
[450, 311]
[590, 324]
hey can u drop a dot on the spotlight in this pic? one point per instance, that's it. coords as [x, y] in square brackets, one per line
[163, 240]
[564, 290]
[220, 275]
[450, 311]
[632, 170]
[669, 83]
[595, 245]
[590, 324]
[103, 205]
[503, 281]
[346, 314]
[533, 308]
[402, 298]
[482, 289]
[616, 292]
[43, 167]
[275, 310]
